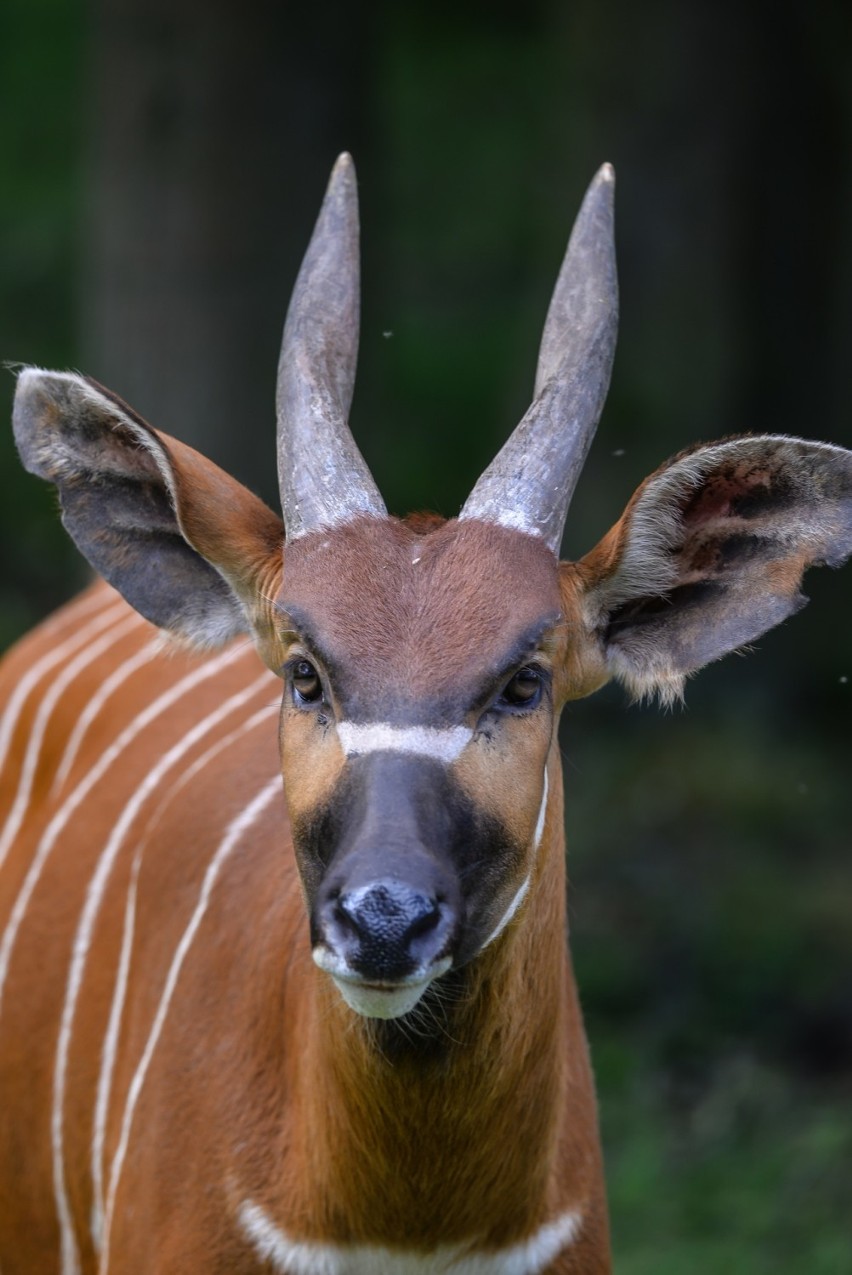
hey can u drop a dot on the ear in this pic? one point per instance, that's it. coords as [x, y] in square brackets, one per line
[186, 545]
[710, 553]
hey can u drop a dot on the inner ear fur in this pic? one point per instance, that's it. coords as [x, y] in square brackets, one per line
[709, 554]
[189, 547]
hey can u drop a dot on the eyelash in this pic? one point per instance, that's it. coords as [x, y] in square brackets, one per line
[299, 668]
[512, 699]
[531, 674]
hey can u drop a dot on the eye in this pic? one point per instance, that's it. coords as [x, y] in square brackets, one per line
[523, 690]
[307, 687]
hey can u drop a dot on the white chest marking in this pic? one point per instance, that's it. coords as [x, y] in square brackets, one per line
[291, 1257]
[425, 741]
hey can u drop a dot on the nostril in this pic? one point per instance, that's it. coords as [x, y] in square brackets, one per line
[345, 912]
[427, 921]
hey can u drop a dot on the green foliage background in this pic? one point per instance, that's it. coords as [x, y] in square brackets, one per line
[710, 851]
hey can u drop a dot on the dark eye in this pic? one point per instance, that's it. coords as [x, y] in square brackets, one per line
[307, 687]
[523, 690]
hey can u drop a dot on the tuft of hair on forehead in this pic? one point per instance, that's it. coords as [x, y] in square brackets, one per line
[424, 521]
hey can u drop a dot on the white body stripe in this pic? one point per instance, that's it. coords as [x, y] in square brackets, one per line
[60, 819]
[91, 652]
[109, 1049]
[292, 1257]
[236, 830]
[56, 655]
[110, 1045]
[107, 688]
[83, 941]
[426, 741]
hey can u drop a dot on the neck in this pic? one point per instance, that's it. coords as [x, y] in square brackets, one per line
[494, 1058]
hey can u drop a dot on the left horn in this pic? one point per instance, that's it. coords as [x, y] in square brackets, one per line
[324, 479]
[529, 484]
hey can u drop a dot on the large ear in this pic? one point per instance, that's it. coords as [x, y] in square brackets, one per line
[710, 553]
[186, 545]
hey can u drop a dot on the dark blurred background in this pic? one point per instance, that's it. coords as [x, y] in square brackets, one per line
[161, 164]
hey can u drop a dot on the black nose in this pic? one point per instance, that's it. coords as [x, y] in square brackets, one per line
[386, 930]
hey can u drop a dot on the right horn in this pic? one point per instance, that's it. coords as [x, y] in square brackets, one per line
[529, 484]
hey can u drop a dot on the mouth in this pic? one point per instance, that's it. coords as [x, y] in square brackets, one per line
[373, 999]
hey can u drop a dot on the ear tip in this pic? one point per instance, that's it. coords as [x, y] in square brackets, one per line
[26, 374]
[34, 404]
[33, 380]
[605, 175]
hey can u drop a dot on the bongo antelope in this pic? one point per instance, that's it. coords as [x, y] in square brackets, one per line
[329, 1026]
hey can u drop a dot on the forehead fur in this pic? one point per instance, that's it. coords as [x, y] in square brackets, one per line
[417, 615]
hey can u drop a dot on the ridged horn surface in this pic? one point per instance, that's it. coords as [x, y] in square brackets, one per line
[529, 484]
[323, 478]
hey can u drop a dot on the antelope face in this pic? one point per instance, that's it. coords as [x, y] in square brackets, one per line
[420, 677]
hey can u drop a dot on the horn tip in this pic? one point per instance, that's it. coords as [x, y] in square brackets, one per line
[341, 198]
[342, 189]
[599, 199]
[344, 167]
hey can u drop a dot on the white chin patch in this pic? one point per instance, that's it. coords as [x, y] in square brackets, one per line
[380, 1002]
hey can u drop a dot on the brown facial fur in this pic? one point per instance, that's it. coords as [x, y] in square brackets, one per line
[418, 624]
[412, 633]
